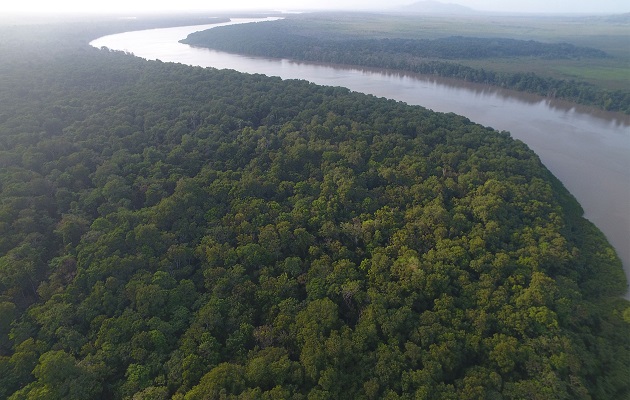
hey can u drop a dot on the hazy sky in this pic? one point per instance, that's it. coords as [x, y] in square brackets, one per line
[123, 6]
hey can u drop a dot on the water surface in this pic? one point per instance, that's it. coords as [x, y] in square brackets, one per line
[587, 149]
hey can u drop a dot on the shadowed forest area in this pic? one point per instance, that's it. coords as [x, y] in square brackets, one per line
[580, 59]
[180, 232]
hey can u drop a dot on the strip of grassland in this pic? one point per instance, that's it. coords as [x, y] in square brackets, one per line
[609, 34]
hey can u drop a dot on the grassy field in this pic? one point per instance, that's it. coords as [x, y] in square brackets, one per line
[610, 34]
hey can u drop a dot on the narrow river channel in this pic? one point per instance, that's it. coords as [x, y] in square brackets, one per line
[588, 150]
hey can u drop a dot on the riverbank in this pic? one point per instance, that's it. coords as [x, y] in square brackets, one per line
[471, 59]
[176, 231]
[578, 147]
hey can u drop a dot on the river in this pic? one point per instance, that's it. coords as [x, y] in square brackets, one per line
[588, 150]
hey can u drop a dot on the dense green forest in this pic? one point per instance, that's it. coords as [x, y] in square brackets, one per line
[297, 38]
[178, 232]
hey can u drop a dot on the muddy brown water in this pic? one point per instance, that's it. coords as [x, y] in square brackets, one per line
[587, 149]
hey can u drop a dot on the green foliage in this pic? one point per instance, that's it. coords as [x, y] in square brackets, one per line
[443, 56]
[179, 232]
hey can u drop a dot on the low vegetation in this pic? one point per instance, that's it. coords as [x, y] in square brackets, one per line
[578, 73]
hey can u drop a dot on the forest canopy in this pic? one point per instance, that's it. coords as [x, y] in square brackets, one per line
[178, 232]
[310, 39]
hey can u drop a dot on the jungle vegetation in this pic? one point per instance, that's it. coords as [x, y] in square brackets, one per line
[466, 49]
[178, 232]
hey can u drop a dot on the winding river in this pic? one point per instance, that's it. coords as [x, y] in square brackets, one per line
[588, 150]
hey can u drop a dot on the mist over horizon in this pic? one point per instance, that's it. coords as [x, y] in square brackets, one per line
[117, 7]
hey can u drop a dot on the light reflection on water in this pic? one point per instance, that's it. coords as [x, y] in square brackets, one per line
[587, 149]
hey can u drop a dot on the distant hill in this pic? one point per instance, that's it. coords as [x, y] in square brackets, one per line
[436, 7]
[619, 18]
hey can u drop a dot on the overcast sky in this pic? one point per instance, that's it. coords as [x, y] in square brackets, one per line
[123, 6]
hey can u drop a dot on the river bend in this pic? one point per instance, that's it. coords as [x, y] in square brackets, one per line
[588, 150]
